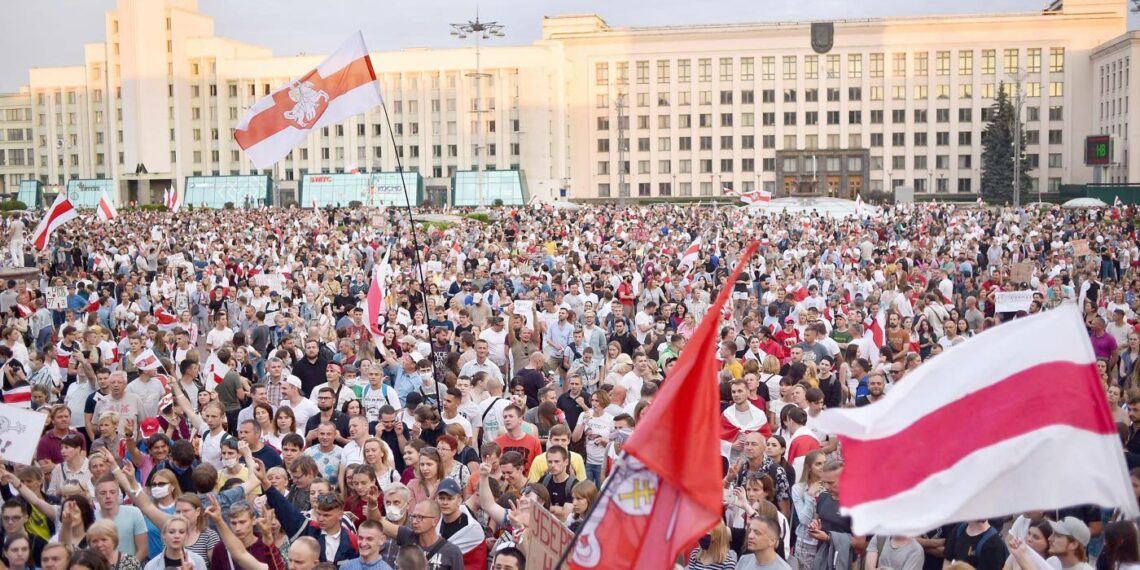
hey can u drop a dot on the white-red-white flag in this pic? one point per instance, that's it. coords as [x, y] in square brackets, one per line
[374, 301]
[60, 212]
[172, 200]
[728, 191]
[147, 360]
[106, 209]
[691, 253]
[342, 85]
[166, 198]
[756, 196]
[214, 372]
[1014, 443]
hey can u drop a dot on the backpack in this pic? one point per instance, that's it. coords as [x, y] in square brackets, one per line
[986, 536]
[567, 486]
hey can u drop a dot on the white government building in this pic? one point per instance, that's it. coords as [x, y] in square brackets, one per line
[890, 103]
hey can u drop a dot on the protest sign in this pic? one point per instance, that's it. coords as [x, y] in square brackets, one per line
[1021, 272]
[56, 298]
[1012, 301]
[1081, 248]
[20, 432]
[546, 538]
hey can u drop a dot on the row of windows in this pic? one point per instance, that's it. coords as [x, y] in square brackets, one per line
[920, 185]
[729, 68]
[1114, 75]
[789, 118]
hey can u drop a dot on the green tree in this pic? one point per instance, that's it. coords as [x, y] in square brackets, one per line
[998, 152]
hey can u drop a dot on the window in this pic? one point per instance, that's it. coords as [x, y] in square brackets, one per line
[988, 90]
[726, 69]
[811, 67]
[942, 138]
[789, 67]
[768, 68]
[1033, 60]
[811, 95]
[643, 189]
[747, 68]
[704, 70]
[768, 141]
[1011, 61]
[1055, 160]
[943, 63]
[833, 66]
[705, 120]
[942, 115]
[833, 117]
[623, 73]
[965, 63]
[685, 166]
[855, 117]
[965, 138]
[726, 165]
[921, 92]
[603, 167]
[854, 93]
[789, 95]
[1056, 60]
[1033, 89]
[899, 67]
[876, 92]
[685, 121]
[604, 190]
[965, 115]
[920, 63]
[643, 167]
[832, 94]
[1032, 137]
[790, 118]
[898, 139]
[898, 92]
[747, 119]
[726, 97]
[855, 66]
[726, 142]
[876, 65]
[989, 61]
[706, 143]
[964, 185]
[683, 66]
[747, 97]
[965, 91]
[898, 162]
[811, 118]
[664, 188]
[642, 72]
[662, 71]
[898, 116]
[685, 143]
[768, 165]
[706, 165]
[768, 96]
[876, 116]
[1033, 161]
[1056, 113]
[1056, 89]
[705, 97]
[965, 161]
[768, 119]
[747, 142]
[642, 99]
[603, 123]
[663, 121]
[876, 139]
[920, 115]
[1055, 136]
[1033, 113]
[603, 145]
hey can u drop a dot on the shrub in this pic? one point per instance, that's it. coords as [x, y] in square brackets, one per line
[9, 205]
[152, 208]
[484, 218]
[229, 205]
[355, 204]
[498, 203]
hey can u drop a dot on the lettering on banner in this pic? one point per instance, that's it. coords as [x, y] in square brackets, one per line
[546, 541]
[56, 298]
[20, 432]
[1081, 248]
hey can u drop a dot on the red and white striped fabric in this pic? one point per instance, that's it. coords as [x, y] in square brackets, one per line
[1013, 420]
[106, 209]
[171, 199]
[342, 85]
[689, 257]
[728, 191]
[147, 360]
[374, 301]
[166, 320]
[756, 196]
[60, 212]
[214, 372]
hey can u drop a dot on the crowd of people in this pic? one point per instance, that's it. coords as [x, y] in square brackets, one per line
[300, 417]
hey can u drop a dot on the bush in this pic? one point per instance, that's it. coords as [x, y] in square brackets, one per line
[498, 203]
[879, 197]
[229, 205]
[484, 218]
[355, 204]
[9, 205]
[152, 208]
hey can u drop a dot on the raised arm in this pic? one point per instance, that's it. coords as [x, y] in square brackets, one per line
[486, 498]
[140, 498]
[183, 402]
[234, 545]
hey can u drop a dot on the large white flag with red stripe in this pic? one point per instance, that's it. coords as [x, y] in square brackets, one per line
[374, 301]
[691, 253]
[756, 196]
[340, 87]
[106, 209]
[214, 372]
[60, 212]
[1013, 420]
[147, 360]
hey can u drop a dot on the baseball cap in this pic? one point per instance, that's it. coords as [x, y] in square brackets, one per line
[448, 487]
[1072, 527]
[149, 427]
[293, 381]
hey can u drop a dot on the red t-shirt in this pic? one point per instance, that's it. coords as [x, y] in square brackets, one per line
[527, 445]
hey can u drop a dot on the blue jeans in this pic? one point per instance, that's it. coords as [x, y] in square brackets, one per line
[594, 473]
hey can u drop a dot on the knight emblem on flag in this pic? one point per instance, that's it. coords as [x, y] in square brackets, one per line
[308, 103]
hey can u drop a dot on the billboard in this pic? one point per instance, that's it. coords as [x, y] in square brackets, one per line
[376, 189]
[1098, 150]
[214, 192]
[85, 193]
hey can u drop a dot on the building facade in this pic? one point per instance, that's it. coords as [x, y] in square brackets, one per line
[16, 141]
[685, 111]
[1114, 108]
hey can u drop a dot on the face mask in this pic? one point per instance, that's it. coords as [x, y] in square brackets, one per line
[393, 514]
[160, 491]
[229, 463]
[705, 542]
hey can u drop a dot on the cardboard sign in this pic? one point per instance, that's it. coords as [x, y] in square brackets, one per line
[181, 302]
[20, 432]
[275, 282]
[526, 309]
[1081, 248]
[1012, 301]
[546, 538]
[175, 260]
[1021, 272]
[56, 298]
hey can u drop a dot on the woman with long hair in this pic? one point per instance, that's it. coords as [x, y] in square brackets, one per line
[351, 408]
[1036, 539]
[284, 423]
[18, 552]
[596, 425]
[713, 552]
[198, 537]
[176, 532]
[429, 472]
[775, 448]
[104, 539]
[1121, 547]
[546, 418]
[466, 454]
[164, 492]
[76, 515]
[1125, 372]
[582, 496]
[804, 495]
[85, 559]
[378, 456]
[453, 469]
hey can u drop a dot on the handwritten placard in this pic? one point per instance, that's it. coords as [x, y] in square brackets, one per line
[1012, 301]
[56, 298]
[546, 538]
[20, 432]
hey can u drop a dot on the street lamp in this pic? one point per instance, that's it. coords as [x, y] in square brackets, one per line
[481, 31]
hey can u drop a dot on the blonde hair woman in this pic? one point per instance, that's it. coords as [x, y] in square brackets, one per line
[103, 537]
[770, 376]
[378, 456]
[713, 552]
[175, 534]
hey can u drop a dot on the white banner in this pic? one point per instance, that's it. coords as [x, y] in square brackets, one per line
[56, 298]
[1012, 301]
[20, 432]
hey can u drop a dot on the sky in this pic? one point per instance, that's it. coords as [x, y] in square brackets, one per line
[49, 33]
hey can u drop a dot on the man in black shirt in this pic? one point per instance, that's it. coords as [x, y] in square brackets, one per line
[558, 481]
[531, 378]
[978, 544]
[313, 368]
[458, 526]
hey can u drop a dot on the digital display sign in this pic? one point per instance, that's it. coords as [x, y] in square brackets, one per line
[1098, 150]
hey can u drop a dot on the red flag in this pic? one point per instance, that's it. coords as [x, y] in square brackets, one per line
[668, 493]
[60, 212]
[343, 85]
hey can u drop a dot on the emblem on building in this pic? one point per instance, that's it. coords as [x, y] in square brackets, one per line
[822, 36]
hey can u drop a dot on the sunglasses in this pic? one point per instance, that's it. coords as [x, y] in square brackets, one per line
[329, 501]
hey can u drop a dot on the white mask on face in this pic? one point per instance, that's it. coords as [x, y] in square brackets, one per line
[160, 491]
[229, 463]
[393, 513]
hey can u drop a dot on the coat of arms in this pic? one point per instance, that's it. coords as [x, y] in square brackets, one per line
[822, 36]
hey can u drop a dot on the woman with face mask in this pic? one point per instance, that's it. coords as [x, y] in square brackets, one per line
[164, 491]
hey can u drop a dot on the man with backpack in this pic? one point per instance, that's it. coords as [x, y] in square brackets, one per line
[976, 543]
[558, 480]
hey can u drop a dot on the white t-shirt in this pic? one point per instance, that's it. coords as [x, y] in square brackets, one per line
[601, 426]
[211, 449]
[459, 419]
[303, 410]
[217, 338]
[489, 416]
[373, 399]
[497, 345]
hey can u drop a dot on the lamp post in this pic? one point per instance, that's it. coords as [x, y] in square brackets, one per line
[482, 31]
[1018, 100]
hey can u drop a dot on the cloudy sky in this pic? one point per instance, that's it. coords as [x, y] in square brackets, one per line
[45, 33]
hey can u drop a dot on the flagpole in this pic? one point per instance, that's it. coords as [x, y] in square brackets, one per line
[586, 517]
[416, 246]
